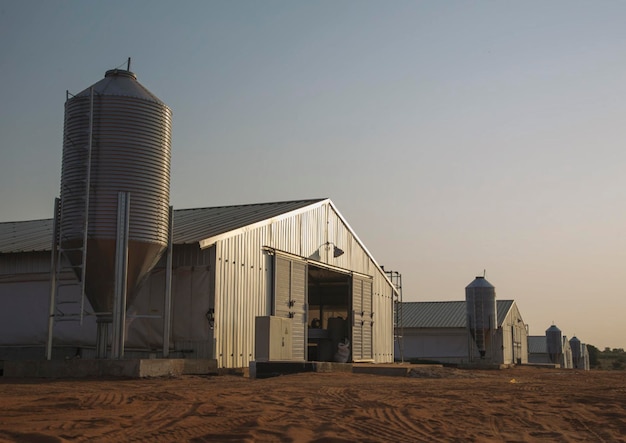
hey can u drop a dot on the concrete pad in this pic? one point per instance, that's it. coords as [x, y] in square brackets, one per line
[388, 370]
[266, 369]
[132, 368]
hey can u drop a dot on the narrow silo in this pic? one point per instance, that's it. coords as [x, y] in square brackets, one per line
[480, 299]
[117, 138]
[554, 341]
[577, 352]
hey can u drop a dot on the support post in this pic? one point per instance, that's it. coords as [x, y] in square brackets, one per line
[53, 277]
[121, 272]
[167, 308]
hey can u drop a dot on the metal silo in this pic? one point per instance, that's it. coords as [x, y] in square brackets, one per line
[577, 352]
[480, 298]
[117, 138]
[554, 341]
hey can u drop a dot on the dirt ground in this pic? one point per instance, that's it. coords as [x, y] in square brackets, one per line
[450, 405]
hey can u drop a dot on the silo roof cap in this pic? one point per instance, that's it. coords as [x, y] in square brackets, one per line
[479, 282]
[553, 328]
[123, 83]
[120, 72]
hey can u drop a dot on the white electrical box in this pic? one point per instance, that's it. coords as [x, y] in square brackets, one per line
[272, 338]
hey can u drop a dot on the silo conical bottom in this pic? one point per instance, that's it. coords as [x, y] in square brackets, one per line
[100, 275]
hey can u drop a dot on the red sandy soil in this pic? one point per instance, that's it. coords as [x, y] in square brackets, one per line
[434, 404]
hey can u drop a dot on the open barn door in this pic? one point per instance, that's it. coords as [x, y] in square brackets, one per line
[362, 319]
[290, 299]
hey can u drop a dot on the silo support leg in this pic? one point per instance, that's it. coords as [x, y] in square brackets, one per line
[121, 273]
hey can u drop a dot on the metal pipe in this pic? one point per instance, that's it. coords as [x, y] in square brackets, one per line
[121, 274]
[83, 274]
[167, 308]
[53, 277]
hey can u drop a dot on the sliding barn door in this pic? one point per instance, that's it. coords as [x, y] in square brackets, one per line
[362, 319]
[290, 300]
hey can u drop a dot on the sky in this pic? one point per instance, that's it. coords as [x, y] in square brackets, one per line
[458, 138]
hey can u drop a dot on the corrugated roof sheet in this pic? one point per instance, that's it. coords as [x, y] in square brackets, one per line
[537, 344]
[193, 225]
[26, 236]
[444, 314]
[190, 225]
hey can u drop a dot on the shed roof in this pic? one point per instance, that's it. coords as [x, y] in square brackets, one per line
[537, 344]
[444, 314]
[190, 225]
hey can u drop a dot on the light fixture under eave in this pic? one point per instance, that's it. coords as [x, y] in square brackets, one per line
[337, 252]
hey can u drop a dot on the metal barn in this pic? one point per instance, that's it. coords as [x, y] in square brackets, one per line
[560, 352]
[438, 331]
[296, 260]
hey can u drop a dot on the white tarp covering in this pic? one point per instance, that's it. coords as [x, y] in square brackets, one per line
[24, 316]
[190, 304]
[25, 305]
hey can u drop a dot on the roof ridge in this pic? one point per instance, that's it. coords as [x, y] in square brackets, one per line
[253, 204]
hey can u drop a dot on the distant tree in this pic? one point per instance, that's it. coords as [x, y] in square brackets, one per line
[593, 356]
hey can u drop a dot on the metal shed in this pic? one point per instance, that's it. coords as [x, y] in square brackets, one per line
[298, 260]
[437, 331]
[539, 353]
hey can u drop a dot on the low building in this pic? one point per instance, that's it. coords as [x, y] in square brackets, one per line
[438, 331]
[555, 349]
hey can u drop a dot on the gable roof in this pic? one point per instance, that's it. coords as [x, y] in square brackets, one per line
[444, 314]
[190, 225]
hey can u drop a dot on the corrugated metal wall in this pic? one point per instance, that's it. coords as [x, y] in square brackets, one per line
[244, 279]
[290, 283]
[513, 339]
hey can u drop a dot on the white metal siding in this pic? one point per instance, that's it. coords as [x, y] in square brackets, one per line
[362, 319]
[241, 294]
[243, 279]
[299, 304]
[367, 320]
[383, 319]
[357, 319]
[290, 300]
[282, 278]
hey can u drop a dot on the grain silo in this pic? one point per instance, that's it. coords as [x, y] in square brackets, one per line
[577, 353]
[480, 298]
[554, 342]
[117, 139]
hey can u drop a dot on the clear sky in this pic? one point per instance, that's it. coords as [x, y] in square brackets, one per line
[455, 137]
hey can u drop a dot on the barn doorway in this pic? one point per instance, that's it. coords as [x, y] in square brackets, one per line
[329, 312]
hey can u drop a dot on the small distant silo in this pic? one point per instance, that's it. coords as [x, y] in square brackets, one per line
[117, 138]
[554, 341]
[577, 352]
[480, 298]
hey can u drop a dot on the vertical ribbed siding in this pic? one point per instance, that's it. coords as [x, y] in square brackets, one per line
[363, 322]
[290, 300]
[298, 301]
[242, 278]
[383, 320]
[357, 319]
[367, 320]
[244, 291]
[282, 275]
